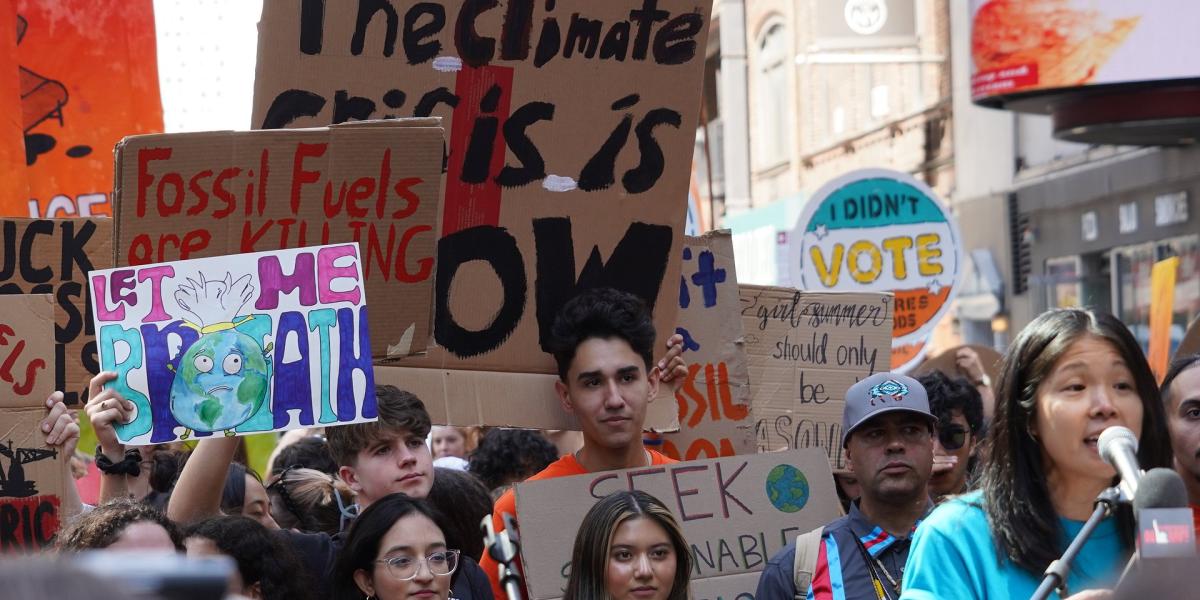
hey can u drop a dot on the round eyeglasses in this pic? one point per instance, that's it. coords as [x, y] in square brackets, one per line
[405, 568]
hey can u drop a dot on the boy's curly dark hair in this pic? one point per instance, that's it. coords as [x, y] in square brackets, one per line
[262, 558]
[101, 527]
[947, 394]
[603, 313]
[504, 455]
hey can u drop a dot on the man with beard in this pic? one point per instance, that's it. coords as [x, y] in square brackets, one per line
[888, 442]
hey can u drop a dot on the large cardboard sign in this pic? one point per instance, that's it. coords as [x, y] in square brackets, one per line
[570, 124]
[805, 350]
[875, 230]
[714, 411]
[88, 77]
[31, 473]
[736, 512]
[259, 342]
[182, 196]
[47, 256]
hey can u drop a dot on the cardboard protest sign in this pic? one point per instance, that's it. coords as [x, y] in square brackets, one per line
[259, 342]
[947, 362]
[805, 350]
[875, 230]
[736, 512]
[571, 126]
[31, 473]
[88, 77]
[44, 256]
[714, 411]
[182, 196]
[1191, 340]
[14, 189]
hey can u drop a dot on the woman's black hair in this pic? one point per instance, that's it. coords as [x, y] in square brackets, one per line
[311, 452]
[465, 502]
[1016, 496]
[261, 557]
[103, 525]
[366, 534]
[233, 495]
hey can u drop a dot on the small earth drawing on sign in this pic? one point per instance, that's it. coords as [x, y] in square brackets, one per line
[787, 488]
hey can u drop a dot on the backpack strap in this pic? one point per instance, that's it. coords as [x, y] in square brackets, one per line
[808, 548]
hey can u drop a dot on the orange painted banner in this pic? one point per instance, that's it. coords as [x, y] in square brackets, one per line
[1162, 290]
[14, 192]
[88, 76]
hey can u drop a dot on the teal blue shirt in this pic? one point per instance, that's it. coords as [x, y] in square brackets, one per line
[954, 556]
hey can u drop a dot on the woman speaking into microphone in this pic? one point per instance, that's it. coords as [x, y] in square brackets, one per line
[1069, 375]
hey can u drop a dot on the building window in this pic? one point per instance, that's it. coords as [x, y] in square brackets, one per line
[772, 106]
[1131, 272]
[880, 106]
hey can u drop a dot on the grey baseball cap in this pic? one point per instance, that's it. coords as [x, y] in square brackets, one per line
[882, 393]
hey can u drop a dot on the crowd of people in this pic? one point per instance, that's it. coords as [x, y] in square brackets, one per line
[956, 486]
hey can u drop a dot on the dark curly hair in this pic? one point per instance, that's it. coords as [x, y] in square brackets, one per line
[101, 527]
[603, 313]
[262, 558]
[948, 394]
[506, 455]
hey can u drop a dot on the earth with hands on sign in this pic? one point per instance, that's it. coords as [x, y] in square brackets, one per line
[787, 488]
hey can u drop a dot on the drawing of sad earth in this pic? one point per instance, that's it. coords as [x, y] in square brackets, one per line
[787, 488]
[222, 377]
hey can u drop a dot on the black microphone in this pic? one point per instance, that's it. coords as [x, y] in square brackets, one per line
[1165, 523]
[1118, 447]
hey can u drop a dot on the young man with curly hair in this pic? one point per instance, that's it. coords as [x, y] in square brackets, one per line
[603, 343]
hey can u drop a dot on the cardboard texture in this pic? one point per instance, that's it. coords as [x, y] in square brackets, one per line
[736, 512]
[805, 350]
[1191, 340]
[31, 473]
[14, 188]
[714, 411]
[570, 134]
[88, 77]
[47, 256]
[195, 195]
[876, 230]
[267, 342]
[947, 362]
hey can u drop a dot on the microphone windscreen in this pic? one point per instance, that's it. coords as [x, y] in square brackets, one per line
[1109, 438]
[1160, 488]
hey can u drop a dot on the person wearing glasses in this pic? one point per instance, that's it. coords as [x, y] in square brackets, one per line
[396, 550]
[959, 410]
[629, 547]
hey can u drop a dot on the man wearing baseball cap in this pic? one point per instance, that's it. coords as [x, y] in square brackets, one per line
[888, 433]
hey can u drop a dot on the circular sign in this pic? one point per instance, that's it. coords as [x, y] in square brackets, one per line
[876, 230]
[866, 17]
[787, 488]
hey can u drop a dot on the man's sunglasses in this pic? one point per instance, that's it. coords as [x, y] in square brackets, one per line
[952, 437]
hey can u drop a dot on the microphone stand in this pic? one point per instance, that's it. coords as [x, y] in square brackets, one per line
[504, 548]
[1056, 574]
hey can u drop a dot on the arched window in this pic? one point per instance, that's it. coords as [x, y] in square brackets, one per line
[772, 98]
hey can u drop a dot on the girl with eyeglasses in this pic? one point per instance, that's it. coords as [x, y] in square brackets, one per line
[395, 550]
